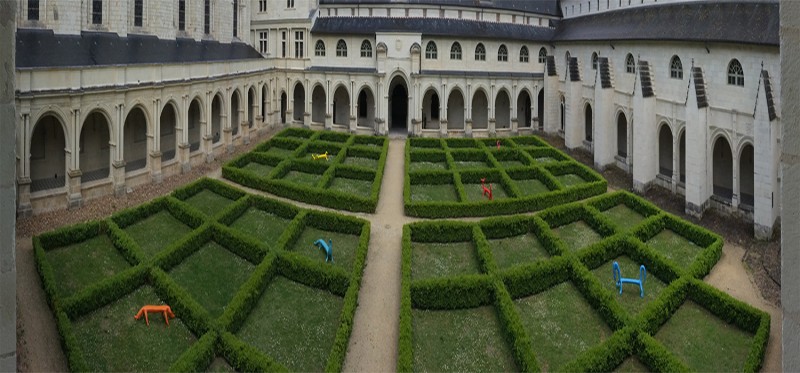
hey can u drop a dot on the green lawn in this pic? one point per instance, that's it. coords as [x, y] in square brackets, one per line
[261, 225]
[632, 364]
[208, 202]
[512, 251]
[511, 163]
[219, 365]
[429, 260]
[472, 164]
[569, 180]
[362, 188]
[543, 160]
[426, 192]
[363, 162]
[212, 276]
[629, 299]
[475, 192]
[469, 340]
[561, 325]
[423, 166]
[112, 340]
[302, 178]
[530, 187]
[624, 216]
[577, 235]
[258, 168]
[280, 152]
[157, 231]
[703, 341]
[345, 246]
[294, 324]
[82, 264]
[675, 247]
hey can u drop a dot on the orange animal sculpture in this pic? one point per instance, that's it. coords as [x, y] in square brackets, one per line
[165, 309]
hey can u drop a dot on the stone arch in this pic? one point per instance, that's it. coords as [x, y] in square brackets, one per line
[168, 120]
[588, 119]
[455, 109]
[235, 107]
[682, 154]
[622, 134]
[318, 104]
[398, 93]
[284, 106]
[298, 102]
[47, 152]
[563, 112]
[722, 165]
[665, 155]
[195, 122]
[431, 108]
[480, 110]
[365, 107]
[252, 106]
[95, 146]
[217, 112]
[264, 101]
[747, 174]
[135, 139]
[502, 109]
[524, 103]
[341, 105]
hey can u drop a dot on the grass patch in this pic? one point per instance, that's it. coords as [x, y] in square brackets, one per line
[561, 325]
[530, 187]
[208, 202]
[157, 231]
[423, 166]
[294, 324]
[569, 180]
[352, 186]
[632, 364]
[258, 168]
[543, 160]
[467, 340]
[703, 341]
[219, 365]
[280, 152]
[577, 235]
[475, 192]
[472, 164]
[629, 299]
[262, 225]
[511, 163]
[624, 216]
[426, 192]
[302, 178]
[212, 275]
[675, 247]
[82, 264]
[511, 251]
[344, 246]
[112, 340]
[363, 162]
[429, 260]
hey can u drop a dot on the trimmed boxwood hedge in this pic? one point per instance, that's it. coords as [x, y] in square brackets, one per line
[214, 335]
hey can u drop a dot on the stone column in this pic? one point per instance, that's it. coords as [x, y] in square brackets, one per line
[155, 153]
[118, 161]
[604, 125]
[645, 165]
[73, 177]
[8, 271]
[698, 174]
[573, 112]
[24, 207]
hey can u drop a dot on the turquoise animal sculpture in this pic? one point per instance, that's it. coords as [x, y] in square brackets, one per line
[619, 280]
[327, 246]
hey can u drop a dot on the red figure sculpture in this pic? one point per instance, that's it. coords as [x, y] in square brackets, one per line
[151, 308]
[486, 191]
[498, 144]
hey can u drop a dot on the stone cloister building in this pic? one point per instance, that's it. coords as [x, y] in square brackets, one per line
[683, 94]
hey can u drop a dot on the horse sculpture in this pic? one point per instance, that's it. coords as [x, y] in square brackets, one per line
[487, 192]
[619, 280]
[327, 246]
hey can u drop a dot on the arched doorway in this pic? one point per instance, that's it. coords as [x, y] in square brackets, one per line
[746, 176]
[299, 101]
[622, 135]
[194, 116]
[524, 109]
[682, 155]
[216, 118]
[135, 145]
[283, 107]
[502, 110]
[455, 110]
[168, 121]
[539, 109]
[563, 113]
[251, 105]
[665, 150]
[48, 159]
[95, 154]
[235, 113]
[723, 169]
[480, 111]
[430, 109]
[398, 104]
[341, 106]
[366, 108]
[264, 101]
[587, 116]
[318, 105]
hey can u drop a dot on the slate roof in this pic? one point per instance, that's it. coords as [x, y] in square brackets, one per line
[699, 87]
[574, 72]
[748, 22]
[545, 7]
[644, 77]
[769, 94]
[431, 26]
[43, 48]
[605, 72]
[551, 66]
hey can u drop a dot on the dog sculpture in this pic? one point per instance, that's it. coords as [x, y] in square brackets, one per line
[327, 246]
[320, 156]
[165, 309]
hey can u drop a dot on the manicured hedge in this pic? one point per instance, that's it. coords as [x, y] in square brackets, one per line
[199, 355]
[245, 358]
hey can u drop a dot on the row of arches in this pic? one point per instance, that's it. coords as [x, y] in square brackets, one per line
[479, 109]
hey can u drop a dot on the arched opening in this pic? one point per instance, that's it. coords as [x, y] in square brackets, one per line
[430, 109]
[216, 118]
[366, 108]
[299, 103]
[524, 109]
[168, 121]
[539, 109]
[746, 176]
[723, 169]
[194, 117]
[502, 110]
[398, 104]
[665, 151]
[622, 135]
[48, 160]
[264, 101]
[135, 135]
[283, 107]
[235, 113]
[587, 116]
[251, 105]
[480, 111]
[563, 113]
[95, 153]
[682, 154]
[318, 105]
[341, 107]
[455, 110]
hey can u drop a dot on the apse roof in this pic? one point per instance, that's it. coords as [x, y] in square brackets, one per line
[545, 7]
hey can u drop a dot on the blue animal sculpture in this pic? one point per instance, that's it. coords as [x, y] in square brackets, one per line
[327, 246]
[619, 280]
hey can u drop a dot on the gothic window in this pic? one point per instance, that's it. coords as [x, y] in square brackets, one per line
[455, 51]
[431, 52]
[319, 49]
[542, 55]
[630, 64]
[341, 48]
[524, 56]
[366, 49]
[676, 68]
[502, 53]
[735, 73]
